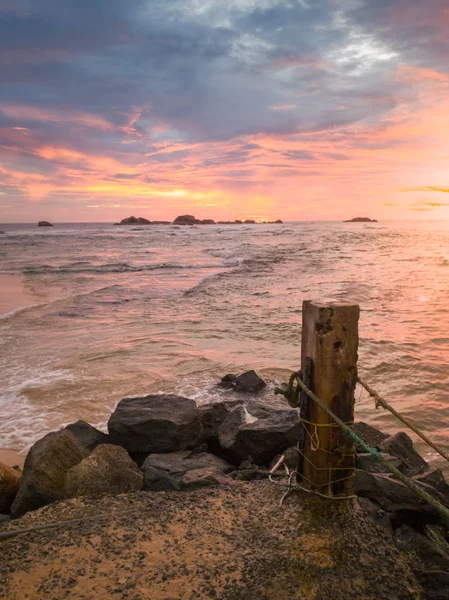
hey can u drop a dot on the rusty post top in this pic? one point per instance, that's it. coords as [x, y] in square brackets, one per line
[336, 305]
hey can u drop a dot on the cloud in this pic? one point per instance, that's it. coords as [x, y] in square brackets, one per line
[427, 188]
[108, 97]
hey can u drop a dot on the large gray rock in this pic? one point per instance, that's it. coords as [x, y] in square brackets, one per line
[165, 471]
[401, 446]
[46, 465]
[390, 494]
[9, 486]
[437, 481]
[212, 416]
[179, 463]
[246, 382]
[207, 477]
[108, 470]
[155, 423]
[369, 434]
[258, 432]
[88, 435]
[368, 462]
[156, 480]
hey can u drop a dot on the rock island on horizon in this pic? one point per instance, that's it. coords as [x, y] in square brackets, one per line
[361, 220]
[191, 220]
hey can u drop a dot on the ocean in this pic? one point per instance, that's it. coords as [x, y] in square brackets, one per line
[91, 313]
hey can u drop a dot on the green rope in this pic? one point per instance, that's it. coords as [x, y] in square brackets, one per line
[422, 494]
[381, 402]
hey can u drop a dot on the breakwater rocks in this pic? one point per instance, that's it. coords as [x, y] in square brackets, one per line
[167, 443]
[191, 220]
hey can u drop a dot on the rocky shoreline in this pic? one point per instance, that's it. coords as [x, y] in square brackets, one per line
[165, 443]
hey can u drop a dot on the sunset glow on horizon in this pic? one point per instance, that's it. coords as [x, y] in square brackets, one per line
[262, 109]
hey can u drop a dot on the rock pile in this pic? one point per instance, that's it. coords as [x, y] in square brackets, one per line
[166, 442]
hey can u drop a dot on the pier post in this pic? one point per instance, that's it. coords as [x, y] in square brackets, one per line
[330, 339]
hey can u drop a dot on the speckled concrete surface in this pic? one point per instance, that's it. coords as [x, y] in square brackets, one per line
[229, 543]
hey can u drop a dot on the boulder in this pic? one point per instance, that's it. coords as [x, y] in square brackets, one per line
[179, 463]
[208, 477]
[207, 222]
[258, 432]
[186, 220]
[246, 382]
[228, 382]
[88, 435]
[44, 224]
[278, 221]
[9, 486]
[108, 470]
[370, 435]
[437, 481]
[155, 423]
[401, 446]
[45, 468]
[155, 480]
[367, 462]
[211, 417]
[392, 495]
[249, 222]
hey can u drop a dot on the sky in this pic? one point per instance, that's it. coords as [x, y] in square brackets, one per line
[264, 109]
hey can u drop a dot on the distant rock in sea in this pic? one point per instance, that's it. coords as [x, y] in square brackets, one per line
[134, 221]
[361, 220]
[1, 231]
[44, 224]
[189, 220]
[186, 220]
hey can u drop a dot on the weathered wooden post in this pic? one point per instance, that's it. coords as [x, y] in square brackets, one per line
[330, 339]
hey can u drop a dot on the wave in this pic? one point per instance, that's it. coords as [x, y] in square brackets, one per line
[21, 309]
[86, 268]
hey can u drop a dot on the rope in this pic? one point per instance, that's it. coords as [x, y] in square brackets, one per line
[422, 494]
[381, 402]
[14, 532]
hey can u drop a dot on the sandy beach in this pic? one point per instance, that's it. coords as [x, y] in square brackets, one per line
[229, 543]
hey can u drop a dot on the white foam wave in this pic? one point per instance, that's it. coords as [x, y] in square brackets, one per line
[24, 422]
[17, 311]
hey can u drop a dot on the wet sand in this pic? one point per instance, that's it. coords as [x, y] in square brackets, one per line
[11, 457]
[14, 295]
[233, 543]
